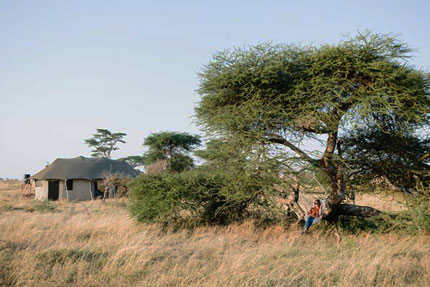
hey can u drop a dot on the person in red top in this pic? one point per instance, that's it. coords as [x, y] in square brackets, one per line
[313, 213]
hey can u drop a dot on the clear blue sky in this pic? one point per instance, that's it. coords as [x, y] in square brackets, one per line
[69, 67]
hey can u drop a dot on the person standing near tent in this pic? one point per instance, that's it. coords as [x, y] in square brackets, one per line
[314, 215]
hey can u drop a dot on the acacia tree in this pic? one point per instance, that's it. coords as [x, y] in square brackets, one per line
[171, 148]
[104, 142]
[281, 95]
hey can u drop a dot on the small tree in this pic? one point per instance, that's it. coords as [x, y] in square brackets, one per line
[171, 147]
[104, 142]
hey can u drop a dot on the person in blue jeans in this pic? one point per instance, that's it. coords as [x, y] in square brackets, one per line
[313, 214]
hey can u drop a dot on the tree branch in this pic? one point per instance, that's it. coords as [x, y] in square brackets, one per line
[313, 130]
[282, 141]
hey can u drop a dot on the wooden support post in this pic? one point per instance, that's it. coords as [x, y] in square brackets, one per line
[67, 191]
[91, 189]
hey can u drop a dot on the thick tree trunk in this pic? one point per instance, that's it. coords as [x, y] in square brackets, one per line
[333, 204]
[335, 175]
[340, 171]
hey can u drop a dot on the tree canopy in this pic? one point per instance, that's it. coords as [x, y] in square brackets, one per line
[104, 142]
[171, 148]
[307, 90]
[278, 96]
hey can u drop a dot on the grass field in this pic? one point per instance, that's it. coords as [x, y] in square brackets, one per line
[98, 244]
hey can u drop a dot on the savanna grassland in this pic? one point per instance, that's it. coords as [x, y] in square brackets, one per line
[98, 244]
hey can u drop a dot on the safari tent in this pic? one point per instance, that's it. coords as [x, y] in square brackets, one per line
[78, 178]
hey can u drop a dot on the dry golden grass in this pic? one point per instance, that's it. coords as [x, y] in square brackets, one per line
[10, 185]
[96, 244]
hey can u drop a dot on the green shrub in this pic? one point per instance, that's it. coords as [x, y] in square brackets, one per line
[196, 197]
[419, 210]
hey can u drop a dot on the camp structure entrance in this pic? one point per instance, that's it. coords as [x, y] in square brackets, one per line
[53, 189]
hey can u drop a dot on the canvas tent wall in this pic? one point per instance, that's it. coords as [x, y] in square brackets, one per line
[73, 179]
[81, 190]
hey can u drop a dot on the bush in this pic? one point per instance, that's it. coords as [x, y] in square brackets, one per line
[196, 197]
[419, 209]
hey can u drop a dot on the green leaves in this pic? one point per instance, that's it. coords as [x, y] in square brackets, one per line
[169, 143]
[171, 147]
[104, 142]
[396, 156]
[237, 84]
[267, 87]
[198, 197]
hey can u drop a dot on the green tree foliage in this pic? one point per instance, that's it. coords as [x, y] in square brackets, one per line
[226, 189]
[134, 160]
[104, 142]
[400, 158]
[278, 96]
[199, 197]
[221, 153]
[172, 148]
